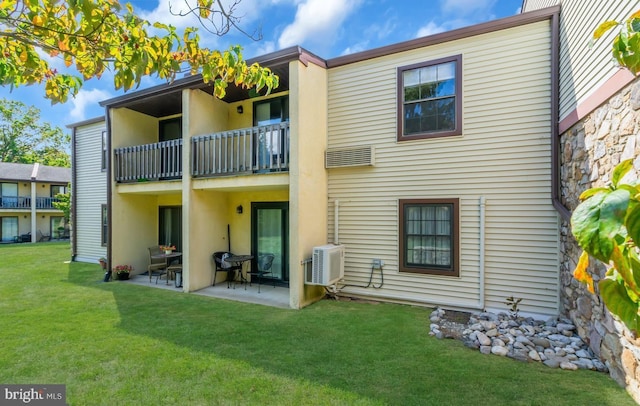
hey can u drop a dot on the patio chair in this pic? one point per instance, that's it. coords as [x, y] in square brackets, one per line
[42, 237]
[223, 266]
[157, 266]
[263, 268]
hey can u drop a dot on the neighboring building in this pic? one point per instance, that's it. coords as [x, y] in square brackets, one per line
[89, 198]
[27, 193]
[597, 126]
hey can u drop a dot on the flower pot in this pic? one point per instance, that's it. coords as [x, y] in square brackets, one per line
[122, 276]
[167, 252]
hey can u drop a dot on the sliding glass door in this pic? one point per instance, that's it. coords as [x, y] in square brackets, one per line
[9, 228]
[270, 235]
[170, 221]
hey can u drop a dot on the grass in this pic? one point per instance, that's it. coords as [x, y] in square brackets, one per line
[121, 344]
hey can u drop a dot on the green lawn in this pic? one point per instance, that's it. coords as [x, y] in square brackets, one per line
[120, 344]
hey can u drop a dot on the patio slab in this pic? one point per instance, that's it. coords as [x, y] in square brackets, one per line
[268, 296]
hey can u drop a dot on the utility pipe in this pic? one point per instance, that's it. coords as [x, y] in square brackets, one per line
[483, 204]
[336, 207]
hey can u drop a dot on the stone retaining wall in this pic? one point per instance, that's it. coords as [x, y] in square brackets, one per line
[589, 152]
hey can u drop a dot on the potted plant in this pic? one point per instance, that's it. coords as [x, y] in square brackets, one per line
[168, 249]
[123, 271]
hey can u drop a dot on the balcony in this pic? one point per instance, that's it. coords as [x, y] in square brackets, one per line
[262, 149]
[255, 150]
[140, 163]
[24, 202]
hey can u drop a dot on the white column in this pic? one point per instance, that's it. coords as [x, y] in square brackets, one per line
[34, 217]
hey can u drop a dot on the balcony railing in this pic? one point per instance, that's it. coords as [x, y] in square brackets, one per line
[162, 160]
[249, 150]
[24, 202]
[259, 149]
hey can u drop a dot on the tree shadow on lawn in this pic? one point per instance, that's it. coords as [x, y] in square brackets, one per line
[379, 351]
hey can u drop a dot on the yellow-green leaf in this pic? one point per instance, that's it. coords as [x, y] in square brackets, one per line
[603, 28]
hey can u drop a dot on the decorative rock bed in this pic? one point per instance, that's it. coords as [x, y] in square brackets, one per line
[552, 342]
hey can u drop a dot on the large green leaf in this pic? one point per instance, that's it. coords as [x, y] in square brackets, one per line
[597, 222]
[620, 170]
[634, 262]
[632, 223]
[613, 212]
[618, 302]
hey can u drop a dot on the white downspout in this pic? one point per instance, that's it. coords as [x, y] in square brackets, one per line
[483, 204]
[336, 207]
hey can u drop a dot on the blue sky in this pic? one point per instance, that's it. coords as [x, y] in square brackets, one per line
[327, 28]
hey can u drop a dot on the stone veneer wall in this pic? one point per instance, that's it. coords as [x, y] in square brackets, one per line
[589, 151]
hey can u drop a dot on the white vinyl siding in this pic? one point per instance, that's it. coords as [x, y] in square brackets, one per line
[531, 5]
[585, 65]
[90, 191]
[503, 156]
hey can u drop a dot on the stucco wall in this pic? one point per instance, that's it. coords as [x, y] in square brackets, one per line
[589, 151]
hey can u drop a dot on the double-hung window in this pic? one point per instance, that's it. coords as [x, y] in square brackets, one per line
[429, 236]
[430, 99]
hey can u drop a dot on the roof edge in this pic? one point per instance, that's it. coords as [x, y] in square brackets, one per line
[271, 59]
[447, 36]
[86, 122]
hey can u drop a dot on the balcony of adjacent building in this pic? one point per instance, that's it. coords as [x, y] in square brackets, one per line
[25, 202]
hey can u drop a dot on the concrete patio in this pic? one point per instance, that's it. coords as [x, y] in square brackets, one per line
[268, 296]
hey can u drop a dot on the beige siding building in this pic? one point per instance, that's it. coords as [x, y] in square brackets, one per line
[89, 190]
[27, 196]
[452, 194]
[498, 168]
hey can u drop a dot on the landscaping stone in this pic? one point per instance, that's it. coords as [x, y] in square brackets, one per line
[519, 338]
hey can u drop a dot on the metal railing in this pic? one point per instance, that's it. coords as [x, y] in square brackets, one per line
[258, 149]
[162, 160]
[24, 202]
[249, 150]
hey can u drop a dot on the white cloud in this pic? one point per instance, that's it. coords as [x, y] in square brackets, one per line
[466, 7]
[430, 29]
[317, 21]
[86, 98]
[356, 48]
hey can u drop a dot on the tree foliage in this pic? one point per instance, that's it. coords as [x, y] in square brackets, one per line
[24, 139]
[626, 45]
[63, 203]
[607, 222]
[93, 36]
[607, 226]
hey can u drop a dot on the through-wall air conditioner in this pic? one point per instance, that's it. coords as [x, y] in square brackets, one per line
[327, 265]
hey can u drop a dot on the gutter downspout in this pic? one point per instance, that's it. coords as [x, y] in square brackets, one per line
[564, 212]
[109, 178]
[74, 198]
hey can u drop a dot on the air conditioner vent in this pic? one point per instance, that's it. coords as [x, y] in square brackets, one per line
[344, 157]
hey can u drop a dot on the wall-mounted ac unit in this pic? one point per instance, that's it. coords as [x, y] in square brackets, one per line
[351, 156]
[327, 265]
